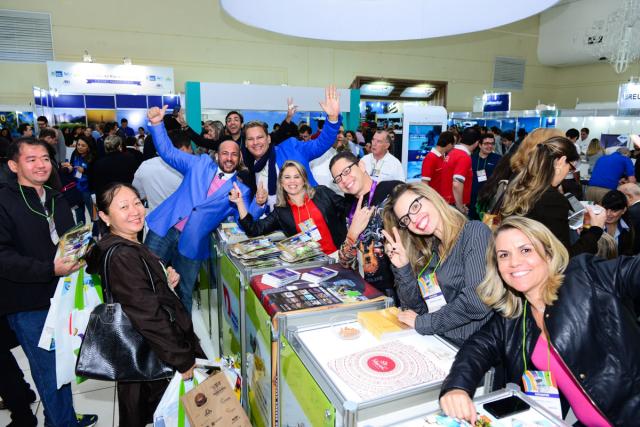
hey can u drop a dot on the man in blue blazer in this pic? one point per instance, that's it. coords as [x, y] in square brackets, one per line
[179, 227]
[265, 160]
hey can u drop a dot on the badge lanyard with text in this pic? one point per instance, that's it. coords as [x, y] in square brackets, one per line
[48, 216]
[429, 287]
[375, 171]
[308, 225]
[540, 385]
[481, 173]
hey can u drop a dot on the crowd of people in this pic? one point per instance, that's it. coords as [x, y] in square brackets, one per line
[489, 250]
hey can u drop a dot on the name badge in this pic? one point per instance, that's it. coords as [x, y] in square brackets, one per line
[541, 387]
[309, 226]
[482, 175]
[78, 174]
[431, 292]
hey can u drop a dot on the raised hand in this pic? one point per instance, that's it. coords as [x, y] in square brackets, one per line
[291, 109]
[331, 104]
[155, 115]
[360, 220]
[180, 118]
[261, 195]
[235, 195]
[394, 249]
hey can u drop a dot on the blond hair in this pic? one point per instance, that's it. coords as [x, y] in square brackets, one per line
[420, 248]
[594, 147]
[528, 145]
[498, 295]
[281, 195]
[607, 247]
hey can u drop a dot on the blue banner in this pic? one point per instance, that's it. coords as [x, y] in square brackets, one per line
[492, 102]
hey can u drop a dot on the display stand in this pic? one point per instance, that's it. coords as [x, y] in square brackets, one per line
[315, 391]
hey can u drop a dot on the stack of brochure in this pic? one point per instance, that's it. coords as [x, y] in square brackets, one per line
[299, 247]
[281, 277]
[230, 233]
[383, 323]
[320, 274]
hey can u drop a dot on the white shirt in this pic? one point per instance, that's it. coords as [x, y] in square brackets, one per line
[263, 177]
[582, 145]
[388, 168]
[320, 170]
[156, 180]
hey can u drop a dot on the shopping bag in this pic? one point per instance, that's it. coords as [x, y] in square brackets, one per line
[200, 329]
[71, 323]
[170, 411]
[60, 298]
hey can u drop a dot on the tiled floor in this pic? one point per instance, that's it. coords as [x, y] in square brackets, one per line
[90, 397]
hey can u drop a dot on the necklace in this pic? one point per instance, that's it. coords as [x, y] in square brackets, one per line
[53, 206]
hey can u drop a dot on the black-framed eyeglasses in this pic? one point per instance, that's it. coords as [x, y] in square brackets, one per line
[346, 171]
[573, 166]
[414, 208]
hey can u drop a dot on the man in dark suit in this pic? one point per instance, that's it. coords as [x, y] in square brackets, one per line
[632, 192]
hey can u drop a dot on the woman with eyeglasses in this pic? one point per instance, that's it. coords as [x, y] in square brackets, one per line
[534, 193]
[299, 207]
[438, 259]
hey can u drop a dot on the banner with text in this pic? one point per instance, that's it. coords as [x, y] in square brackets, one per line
[82, 77]
[629, 96]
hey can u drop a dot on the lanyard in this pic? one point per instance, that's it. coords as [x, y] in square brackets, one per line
[484, 164]
[429, 263]
[45, 215]
[299, 220]
[355, 204]
[524, 334]
[374, 168]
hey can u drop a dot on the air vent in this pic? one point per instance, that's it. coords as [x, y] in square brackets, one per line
[26, 36]
[508, 73]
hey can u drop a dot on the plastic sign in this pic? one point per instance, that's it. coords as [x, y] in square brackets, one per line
[629, 96]
[492, 102]
[91, 78]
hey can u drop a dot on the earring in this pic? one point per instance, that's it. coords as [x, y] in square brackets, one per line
[108, 225]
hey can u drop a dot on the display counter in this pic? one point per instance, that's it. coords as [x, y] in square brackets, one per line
[428, 415]
[331, 381]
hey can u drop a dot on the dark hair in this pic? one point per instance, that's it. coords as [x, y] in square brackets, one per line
[509, 135]
[141, 128]
[614, 200]
[501, 172]
[104, 199]
[522, 132]
[305, 128]
[13, 151]
[4, 145]
[446, 138]
[572, 133]
[495, 130]
[92, 153]
[584, 130]
[346, 154]
[320, 124]
[236, 113]
[109, 126]
[355, 138]
[470, 136]
[23, 128]
[488, 135]
[47, 132]
[123, 120]
[42, 119]
[179, 139]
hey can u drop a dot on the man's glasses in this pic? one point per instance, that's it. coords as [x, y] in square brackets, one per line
[414, 208]
[346, 171]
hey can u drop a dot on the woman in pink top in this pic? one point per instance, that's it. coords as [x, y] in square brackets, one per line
[574, 317]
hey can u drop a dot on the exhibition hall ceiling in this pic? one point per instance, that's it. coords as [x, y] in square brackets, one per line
[380, 20]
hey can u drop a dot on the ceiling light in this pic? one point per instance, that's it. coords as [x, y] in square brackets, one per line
[418, 92]
[86, 57]
[376, 89]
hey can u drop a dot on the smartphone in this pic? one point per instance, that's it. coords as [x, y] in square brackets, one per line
[176, 110]
[506, 407]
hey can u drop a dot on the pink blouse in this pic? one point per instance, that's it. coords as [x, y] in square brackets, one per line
[582, 407]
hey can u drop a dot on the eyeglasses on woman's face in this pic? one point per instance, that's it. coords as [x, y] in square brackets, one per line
[345, 172]
[414, 208]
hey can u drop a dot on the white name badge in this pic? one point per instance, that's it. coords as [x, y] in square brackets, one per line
[78, 174]
[540, 386]
[431, 292]
[482, 175]
[309, 227]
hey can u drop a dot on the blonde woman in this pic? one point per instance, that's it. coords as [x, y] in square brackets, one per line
[594, 152]
[298, 207]
[572, 317]
[438, 261]
[534, 193]
[528, 145]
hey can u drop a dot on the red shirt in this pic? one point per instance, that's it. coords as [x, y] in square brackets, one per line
[457, 167]
[310, 210]
[432, 167]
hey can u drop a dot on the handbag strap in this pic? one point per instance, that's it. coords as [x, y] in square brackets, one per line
[105, 274]
[496, 202]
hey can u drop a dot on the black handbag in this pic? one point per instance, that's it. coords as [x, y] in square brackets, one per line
[112, 349]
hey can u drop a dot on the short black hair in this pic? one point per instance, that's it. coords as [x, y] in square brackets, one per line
[320, 124]
[470, 136]
[586, 130]
[47, 132]
[42, 119]
[23, 128]
[509, 135]
[614, 200]
[446, 138]
[109, 126]
[347, 155]
[572, 133]
[179, 138]
[105, 198]
[305, 128]
[123, 120]
[234, 112]
[13, 151]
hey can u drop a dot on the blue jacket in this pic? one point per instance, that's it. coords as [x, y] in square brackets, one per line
[303, 152]
[190, 199]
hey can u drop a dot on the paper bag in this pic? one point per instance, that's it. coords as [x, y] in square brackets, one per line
[214, 403]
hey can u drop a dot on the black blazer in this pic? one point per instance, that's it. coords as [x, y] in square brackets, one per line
[332, 206]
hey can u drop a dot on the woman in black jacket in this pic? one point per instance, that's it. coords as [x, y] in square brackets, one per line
[298, 207]
[158, 315]
[575, 316]
[534, 193]
[618, 223]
